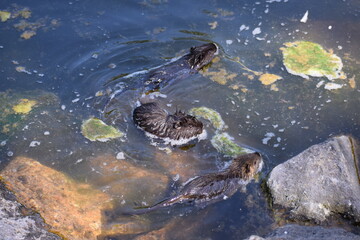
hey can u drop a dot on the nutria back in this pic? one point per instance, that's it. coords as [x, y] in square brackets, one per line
[178, 126]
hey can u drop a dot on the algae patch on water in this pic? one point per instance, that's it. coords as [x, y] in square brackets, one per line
[268, 78]
[4, 16]
[311, 59]
[24, 106]
[225, 144]
[210, 115]
[96, 130]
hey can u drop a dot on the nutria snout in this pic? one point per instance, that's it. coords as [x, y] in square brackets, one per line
[201, 55]
[178, 126]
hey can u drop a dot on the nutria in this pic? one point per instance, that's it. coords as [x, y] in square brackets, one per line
[190, 63]
[178, 126]
[214, 186]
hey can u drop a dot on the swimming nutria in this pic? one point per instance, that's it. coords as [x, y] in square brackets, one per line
[214, 186]
[190, 63]
[156, 121]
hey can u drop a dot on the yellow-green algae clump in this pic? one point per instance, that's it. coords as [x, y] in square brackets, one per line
[96, 130]
[311, 59]
[209, 114]
[24, 106]
[225, 144]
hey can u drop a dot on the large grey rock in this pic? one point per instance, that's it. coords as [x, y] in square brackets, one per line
[15, 226]
[296, 232]
[320, 181]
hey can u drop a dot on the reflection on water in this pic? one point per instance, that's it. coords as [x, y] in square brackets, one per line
[82, 47]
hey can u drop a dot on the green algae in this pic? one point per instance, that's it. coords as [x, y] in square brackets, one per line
[209, 114]
[225, 144]
[96, 130]
[17, 107]
[311, 59]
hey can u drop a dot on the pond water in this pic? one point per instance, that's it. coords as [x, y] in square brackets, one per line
[82, 47]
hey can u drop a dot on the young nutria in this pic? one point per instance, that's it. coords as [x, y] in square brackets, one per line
[178, 126]
[215, 186]
[190, 63]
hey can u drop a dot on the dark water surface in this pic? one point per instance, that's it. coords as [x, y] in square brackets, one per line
[80, 46]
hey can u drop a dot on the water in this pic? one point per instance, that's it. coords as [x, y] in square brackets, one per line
[81, 46]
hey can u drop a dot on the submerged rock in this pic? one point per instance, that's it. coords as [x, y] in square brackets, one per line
[310, 59]
[72, 209]
[296, 232]
[15, 225]
[16, 107]
[96, 130]
[321, 181]
[225, 144]
[209, 114]
[127, 181]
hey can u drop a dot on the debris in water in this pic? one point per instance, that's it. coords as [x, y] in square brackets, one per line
[310, 59]
[34, 144]
[333, 86]
[305, 17]
[268, 78]
[209, 114]
[256, 31]
[268, 136]
[24, 106]
[224, 144]
[213, 25]
[96, 130]
[27, 34]
[120, 156]
[4, 16]
[352, 82]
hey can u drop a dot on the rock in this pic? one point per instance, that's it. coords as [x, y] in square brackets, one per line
[125, 180]
[15, 225]
[320, 181]
[180, 165]
[72, 209]
[296, 232]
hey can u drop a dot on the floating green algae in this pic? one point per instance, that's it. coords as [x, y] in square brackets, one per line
[96, 130]
[310, 59]
[224, 144]
[209, 114]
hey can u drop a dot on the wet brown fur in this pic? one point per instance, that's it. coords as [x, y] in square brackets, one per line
[155, 120]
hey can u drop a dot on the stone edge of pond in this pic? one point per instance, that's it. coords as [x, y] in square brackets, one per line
[345, 146]
[14, 224]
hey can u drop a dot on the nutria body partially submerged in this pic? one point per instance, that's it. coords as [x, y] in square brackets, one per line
[179, 126]
[215, 186]
[190, 63]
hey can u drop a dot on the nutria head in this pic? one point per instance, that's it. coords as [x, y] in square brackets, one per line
[246, 166]
[202, 55]
[155, 120]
